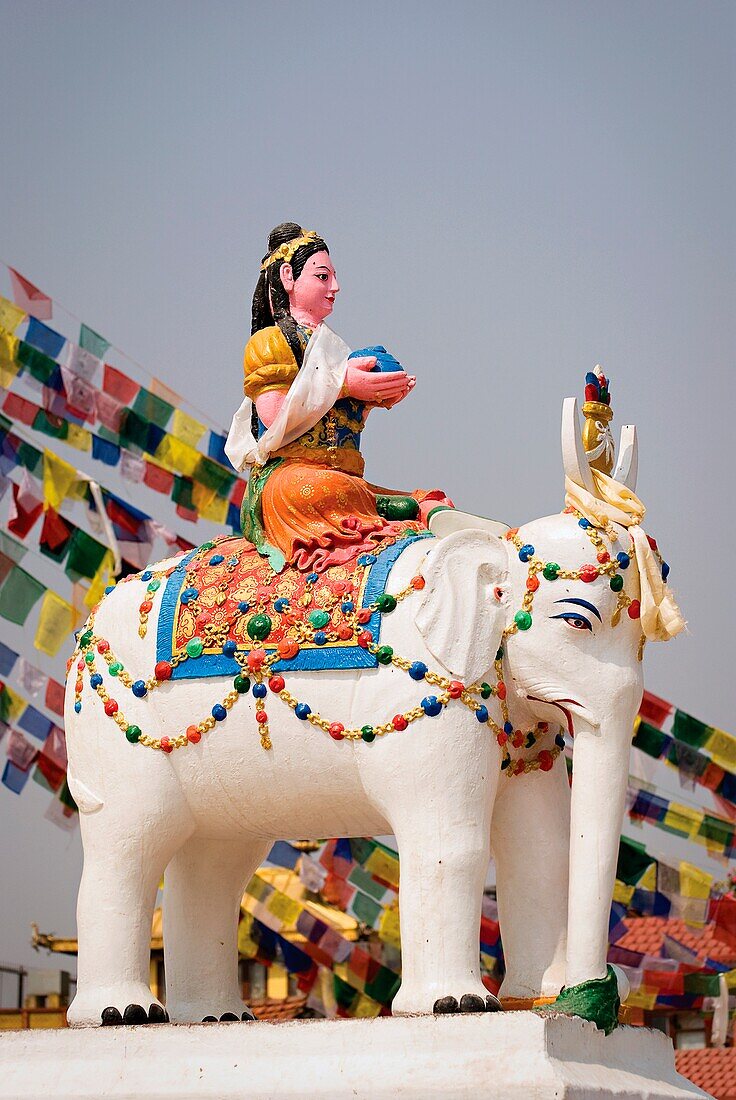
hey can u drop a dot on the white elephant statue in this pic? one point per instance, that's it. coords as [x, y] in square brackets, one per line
[551, 616]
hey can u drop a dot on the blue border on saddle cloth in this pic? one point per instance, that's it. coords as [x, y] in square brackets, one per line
[333, 657]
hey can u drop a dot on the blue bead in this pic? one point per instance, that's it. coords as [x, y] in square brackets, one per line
[370, 559]
[243, 607]
[281, 604]
[508, 728]
[189, 594]
[147, 575]
[77, 707]
[584, 523]
[347, 606]
[431, 706]
[219, 713]
[110, 588]
[623, 560]
[418, 670]
[259, 691]
[559, 741]
[217, 559]
[526, 552]
[139, 689]
[302, 710]
[482, 713]
[313, 578]
[665, 570]
[95, 680]
[229, 648]
[320, 637]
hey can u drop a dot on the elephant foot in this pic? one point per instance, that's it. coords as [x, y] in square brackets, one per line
[596, 1000]
[469, 1002]
[245, 1017]
[133, 1014]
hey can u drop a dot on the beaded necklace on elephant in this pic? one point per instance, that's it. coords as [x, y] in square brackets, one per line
[257, 663]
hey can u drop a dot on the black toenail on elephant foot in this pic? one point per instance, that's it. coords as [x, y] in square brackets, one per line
[445, 1004]
[157, 1015]
[135, 1014]
[227, 1017]
[111, 1017]
[472, 1002]
[493, 1004]
[248, 1016]
[209, 1020]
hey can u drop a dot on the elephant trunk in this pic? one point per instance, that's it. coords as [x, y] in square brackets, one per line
[600, 777]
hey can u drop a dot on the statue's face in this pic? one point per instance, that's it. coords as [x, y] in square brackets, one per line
[312, 295]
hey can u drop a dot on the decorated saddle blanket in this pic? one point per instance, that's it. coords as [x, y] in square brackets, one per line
[224, 600]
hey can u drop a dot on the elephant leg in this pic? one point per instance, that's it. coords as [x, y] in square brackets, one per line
[203, 888]
[443, 872]
[530, 841]
[124, 860]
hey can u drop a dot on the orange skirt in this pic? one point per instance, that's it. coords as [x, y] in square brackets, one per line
[317, 516]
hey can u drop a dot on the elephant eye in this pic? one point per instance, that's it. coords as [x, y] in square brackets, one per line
[577, 622]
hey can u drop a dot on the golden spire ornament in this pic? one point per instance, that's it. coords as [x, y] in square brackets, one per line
[597, 438]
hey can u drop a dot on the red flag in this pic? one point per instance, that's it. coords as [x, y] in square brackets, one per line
[17, 408]
[24, 518]
[654, 710]
[30, 298]
[119, 386]
[155, 477]
[55, 697]
[236, 497]
[723, 915]
[55, 530]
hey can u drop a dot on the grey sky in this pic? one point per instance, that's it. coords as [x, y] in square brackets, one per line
[511, 193]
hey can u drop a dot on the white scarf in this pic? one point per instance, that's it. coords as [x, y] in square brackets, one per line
[313, 392]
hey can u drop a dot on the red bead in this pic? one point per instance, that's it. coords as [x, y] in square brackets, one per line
[399, 722]
[276, 684]
[455, 689]
[545, 760]
[365, 638]
[80, 665]
[603, 557]
[146, 606]
[588, 573]
[166, 745]
[261, 717]
[518, 739]
[418, 583]
[652, 542]
[193, 735]
[111, 708]
[511, 532]
[500, 690]
[364, 615]
[344, 631]
[532, 583]
[502, 738]
[542, 726]
[338, 587]
[336, 731]
[103, 647]
[256, 657]
[634, 609]
[520, 767]
[288, 648]
[162, 670]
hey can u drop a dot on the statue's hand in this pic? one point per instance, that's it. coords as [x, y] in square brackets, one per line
[375, 388]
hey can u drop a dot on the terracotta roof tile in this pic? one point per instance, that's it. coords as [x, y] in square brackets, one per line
[711, 1069]
[646, 934]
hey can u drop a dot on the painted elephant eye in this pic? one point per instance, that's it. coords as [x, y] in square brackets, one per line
[577, 622]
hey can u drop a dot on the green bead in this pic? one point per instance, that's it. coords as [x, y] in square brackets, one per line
[384, 655]
[133, 734]
[89, 658]
[195, 647]
[154, 585]
[318, 619]
[86, 639]
[241, 684]
[115, 668]
[259, 627]
[386, 602]
[550, 571]
[486, 691]
[207, 545]
[523, 620]
[367, 734]
[617, 583]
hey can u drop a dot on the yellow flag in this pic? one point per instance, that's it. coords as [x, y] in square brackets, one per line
[8, 373]
[101, 579]
[648, 881]
[14, 704]
[10, 315]
[683, 818]
[642, 998]
[177, 456]
[216, 510]
[383, 866]
[8, 345]
[694, 883]
[284, 908]
[79, 438]
[389, 929]
[365, 1008]
[60, 480]
[622, 892]
[722, 747]
[203, 497]
[56, 622]
[186, 428]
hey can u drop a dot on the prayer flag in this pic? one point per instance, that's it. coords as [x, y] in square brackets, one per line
[186, 428]
[109, 411]
[7, 660]
[32, 679]
[92, 342]
[20, 750]
[11, 704]
[722, 747]
[81, 439]
[85, 555]
[80, 395]
[56, 622]
[29, 297]
[14, 778]
[132, 468]
[55, 697]
[22, 519]
[43, 338]
[10, 315]
[18, 595]
[160, 389]
[81, 362]
[157, 478]
[104, 451]
[35, 723]
[152, 408]
[118, 385]
[18, 408]
[60, 480]
[60, 816]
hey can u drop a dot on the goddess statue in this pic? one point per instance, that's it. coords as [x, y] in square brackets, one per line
[307, 398]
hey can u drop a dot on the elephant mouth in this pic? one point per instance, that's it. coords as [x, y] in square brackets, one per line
[558, 703]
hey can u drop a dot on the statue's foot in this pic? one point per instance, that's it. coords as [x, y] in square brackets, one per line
[114, 1006]
[469, 1002]
[597, 1000]
[245, 1017]
[134, 1014]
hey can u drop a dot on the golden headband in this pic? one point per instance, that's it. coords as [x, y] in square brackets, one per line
[284, 253]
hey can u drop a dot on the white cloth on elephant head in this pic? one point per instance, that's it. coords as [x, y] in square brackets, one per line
[313, 392]
[661, 618]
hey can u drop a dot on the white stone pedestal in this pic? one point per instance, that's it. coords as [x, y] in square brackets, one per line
[503, 1056]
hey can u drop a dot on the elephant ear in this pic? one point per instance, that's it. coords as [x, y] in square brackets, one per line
[462, 614]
